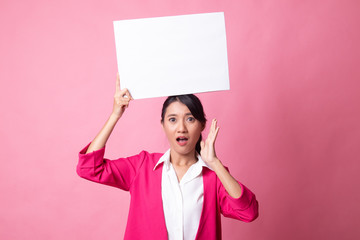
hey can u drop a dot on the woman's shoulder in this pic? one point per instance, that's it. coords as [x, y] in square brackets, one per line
[146, 161]
[150, 157]
[150, 154]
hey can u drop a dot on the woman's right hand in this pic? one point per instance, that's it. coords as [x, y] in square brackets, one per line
[122, 99]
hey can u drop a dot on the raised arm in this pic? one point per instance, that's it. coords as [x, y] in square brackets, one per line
[238, 202]
[209, 156]
[122, 99]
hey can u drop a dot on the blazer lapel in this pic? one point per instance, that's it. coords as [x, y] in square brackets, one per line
[209, 195]
[158, 198]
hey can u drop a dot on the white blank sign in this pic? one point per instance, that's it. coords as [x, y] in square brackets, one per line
[173, 55]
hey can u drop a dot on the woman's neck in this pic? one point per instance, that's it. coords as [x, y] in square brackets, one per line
[182, 160]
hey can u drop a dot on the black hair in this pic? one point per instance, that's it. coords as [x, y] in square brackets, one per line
[193, 103]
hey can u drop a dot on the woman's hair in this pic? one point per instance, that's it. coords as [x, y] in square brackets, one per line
[193, 103]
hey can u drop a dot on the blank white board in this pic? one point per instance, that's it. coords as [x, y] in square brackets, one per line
[172, 55]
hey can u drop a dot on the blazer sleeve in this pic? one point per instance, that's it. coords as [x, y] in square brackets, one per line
[118, 173]
[244, 208]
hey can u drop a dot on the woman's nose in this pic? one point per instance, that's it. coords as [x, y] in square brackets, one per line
[181, 127]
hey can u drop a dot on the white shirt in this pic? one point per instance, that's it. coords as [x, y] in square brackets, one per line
[182, 201]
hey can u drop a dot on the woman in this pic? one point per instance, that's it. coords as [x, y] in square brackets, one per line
[176, 195]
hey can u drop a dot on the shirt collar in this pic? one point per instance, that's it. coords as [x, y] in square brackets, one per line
[166, 160]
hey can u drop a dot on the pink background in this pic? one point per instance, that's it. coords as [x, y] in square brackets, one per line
[289, 125]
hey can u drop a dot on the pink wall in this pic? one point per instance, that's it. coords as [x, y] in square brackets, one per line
[289, 126]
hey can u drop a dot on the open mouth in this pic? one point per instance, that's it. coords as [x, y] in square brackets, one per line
[182, 140]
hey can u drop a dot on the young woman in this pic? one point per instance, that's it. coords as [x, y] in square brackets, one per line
[176, 195]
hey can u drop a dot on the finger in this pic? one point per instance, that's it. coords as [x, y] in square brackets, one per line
[127, 93]
[213, 127]
[122, 93]
[216, 133]
[202, 144]
[125, 100]
[213, 124]
[121, 100]
[117, 82]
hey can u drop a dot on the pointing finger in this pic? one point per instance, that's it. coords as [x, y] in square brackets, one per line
[117, 82]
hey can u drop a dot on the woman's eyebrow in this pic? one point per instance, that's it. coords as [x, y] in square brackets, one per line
[174, 114]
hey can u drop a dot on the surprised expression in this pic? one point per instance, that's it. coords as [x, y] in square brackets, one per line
[181, 128]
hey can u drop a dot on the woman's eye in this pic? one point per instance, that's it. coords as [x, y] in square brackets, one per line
[191, 119]
[172, 119]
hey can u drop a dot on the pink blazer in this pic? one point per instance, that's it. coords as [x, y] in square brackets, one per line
[146, 217]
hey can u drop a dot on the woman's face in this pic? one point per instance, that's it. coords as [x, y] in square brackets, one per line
[181, 128]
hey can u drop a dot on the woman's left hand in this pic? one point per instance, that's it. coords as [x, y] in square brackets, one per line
[208, 147]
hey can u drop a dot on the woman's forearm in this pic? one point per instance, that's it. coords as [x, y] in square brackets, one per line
[232, 187]
[121, 102]
[104, 134]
